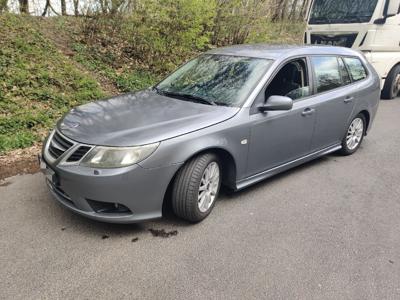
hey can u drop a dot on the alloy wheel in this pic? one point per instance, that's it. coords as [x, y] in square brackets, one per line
[209, 186]
[355, 133]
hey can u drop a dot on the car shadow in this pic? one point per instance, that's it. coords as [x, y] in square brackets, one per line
[228, 194]
[169, 223]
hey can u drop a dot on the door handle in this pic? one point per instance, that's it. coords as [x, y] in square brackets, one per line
[307, 112]
[348, 99]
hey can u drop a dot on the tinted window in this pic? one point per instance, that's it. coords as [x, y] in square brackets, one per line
[356, 68]
[345, 74]
[327, 74]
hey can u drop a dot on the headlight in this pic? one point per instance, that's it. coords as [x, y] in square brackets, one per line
[116, 157]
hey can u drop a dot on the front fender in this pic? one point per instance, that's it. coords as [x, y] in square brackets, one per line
[231, 136]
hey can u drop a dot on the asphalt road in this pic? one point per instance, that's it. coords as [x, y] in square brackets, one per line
[326, 230]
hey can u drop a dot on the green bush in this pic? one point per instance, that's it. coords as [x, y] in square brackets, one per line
[157, 35]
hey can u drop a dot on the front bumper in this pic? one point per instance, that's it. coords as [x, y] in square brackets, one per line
[135, 192]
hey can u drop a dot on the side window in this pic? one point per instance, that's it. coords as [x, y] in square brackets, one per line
[356, 68]
[345, 74]
[327, 73]
[291, 81]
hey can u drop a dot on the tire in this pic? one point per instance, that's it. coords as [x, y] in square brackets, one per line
[188, 183]
[392, 84]
[351, 146]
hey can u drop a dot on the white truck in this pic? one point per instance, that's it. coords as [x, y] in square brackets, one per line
[371, 26]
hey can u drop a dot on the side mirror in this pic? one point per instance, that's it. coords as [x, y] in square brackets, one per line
[274, 103]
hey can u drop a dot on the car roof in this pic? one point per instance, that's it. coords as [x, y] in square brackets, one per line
[281, 51]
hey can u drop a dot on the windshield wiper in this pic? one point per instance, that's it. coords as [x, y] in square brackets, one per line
[190, 97]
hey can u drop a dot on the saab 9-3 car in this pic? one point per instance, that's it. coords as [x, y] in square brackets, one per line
[232, 116]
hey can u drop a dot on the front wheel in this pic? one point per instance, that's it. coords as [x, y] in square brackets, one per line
[354, 135]
[196, 188]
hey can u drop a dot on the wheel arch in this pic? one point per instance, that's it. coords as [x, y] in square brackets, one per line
[386, 87]
[229, 170]
[228, 164]
[367, 117]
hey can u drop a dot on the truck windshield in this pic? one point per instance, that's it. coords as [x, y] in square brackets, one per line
[342, 11]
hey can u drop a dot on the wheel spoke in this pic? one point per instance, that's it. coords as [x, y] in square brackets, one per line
[202, 188]
[208, 187]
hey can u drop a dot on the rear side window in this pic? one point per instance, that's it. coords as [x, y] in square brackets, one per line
[356, 68]
[345, 74]
[327, 73]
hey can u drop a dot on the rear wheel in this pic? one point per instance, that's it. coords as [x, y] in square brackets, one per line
[354, 135]
[196, 188]
[392, 84]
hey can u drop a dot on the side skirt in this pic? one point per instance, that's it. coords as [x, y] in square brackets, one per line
[243, 183]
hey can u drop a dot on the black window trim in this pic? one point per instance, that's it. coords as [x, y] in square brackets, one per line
[311, 77]
[340, 59]
[260, 97]
[363, 65]
[343, 86]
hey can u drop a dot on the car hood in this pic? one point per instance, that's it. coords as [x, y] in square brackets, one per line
[139, 118]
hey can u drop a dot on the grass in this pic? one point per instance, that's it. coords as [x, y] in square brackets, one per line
[125, 79]
[37, 83]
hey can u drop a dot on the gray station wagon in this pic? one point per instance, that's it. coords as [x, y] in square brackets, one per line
[232, 116]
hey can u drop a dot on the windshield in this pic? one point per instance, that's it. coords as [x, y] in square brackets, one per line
[215, 79]
[342, 11]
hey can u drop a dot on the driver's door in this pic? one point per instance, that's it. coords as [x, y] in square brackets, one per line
[278, 137]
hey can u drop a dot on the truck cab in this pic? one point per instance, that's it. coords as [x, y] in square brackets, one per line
[371, 26]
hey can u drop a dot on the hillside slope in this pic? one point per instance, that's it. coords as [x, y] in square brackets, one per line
[37, 83]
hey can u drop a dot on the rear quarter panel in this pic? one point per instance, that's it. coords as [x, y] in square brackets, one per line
[368, 94]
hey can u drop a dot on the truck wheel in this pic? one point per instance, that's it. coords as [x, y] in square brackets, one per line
[392, 84]
[196, 188]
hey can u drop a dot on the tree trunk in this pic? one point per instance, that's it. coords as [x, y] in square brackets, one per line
[63, 8]
[284, 8]
[47, 7]
[292, 14]
[24, 6]
[76, 7]
[304, 8]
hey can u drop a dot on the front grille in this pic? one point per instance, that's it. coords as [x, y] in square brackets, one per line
[78, 154]
[58, 145]
[343, 40]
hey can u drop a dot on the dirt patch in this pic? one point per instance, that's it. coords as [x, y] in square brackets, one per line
[20, 161]
[4, 183]
[162, 233]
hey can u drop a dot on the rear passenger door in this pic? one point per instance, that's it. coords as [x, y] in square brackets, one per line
[335, 96]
